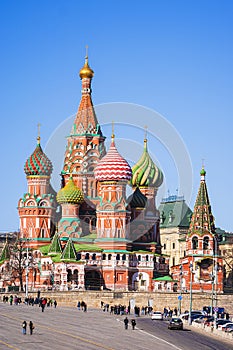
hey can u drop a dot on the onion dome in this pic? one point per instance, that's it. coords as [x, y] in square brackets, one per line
[70, 193]
[145, 172]
[203, 172]
[137, 199]
[86, 71]
[38, 163]
[113, 167]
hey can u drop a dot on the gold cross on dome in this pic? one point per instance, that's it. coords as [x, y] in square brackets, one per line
[38, 132]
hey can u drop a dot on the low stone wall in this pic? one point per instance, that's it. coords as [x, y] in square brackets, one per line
[211, 330]
[158, 299]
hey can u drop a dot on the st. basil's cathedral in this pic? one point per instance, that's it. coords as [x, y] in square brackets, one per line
[102, 239]
[89, 235]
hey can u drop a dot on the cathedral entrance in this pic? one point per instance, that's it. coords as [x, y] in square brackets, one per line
[93, 280]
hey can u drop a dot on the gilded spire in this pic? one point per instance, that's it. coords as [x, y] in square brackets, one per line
[86, 71]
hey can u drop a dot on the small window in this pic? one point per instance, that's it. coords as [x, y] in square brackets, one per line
[173, 245]
[206, 243]
[194, 243]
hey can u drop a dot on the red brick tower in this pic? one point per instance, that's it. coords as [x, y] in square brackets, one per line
[85, 147]
[202, 265]
[113, 173]
[37, 207]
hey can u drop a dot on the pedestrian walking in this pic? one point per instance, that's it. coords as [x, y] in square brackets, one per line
[133, 323]
[55, 303]
[24, 327]
[126, 322]
[31, 327]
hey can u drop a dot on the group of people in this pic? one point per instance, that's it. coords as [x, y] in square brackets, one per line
[126, 310]
[12, 299]
[167, 312]
[81, 305]
[24, 327]
[126, 323]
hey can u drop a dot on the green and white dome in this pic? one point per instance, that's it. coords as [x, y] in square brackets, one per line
[145, 172]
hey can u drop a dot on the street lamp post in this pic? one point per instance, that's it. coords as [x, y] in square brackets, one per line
[191, 293]
[215, 280]
[180, 296]
[27, 263]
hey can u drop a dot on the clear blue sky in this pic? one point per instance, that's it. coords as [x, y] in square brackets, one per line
[174, 57]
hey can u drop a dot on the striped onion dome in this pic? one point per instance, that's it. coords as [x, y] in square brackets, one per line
[38, 163]
[70, 193]
[113, 167]
[145, 172]
[137, 199]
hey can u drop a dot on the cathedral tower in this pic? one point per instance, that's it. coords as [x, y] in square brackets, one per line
[113, 173]
[85, 147]
[202, 264]
[147, 177]
[37, 207]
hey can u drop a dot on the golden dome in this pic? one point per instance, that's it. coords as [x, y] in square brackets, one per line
[86, 71]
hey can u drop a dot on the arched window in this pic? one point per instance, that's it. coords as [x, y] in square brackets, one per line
[147, 258]
[118, 257]
[139, 257]
[206, 243]
[79, 256]
[194, 243]
[104, 256]
[109, 256]
[87, 256]
[75, 276]
[69, 275]
[123, 257]
[94, 257]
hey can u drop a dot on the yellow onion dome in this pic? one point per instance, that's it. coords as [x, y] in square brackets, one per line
[145, 172]
[86, 71]
[70, 194]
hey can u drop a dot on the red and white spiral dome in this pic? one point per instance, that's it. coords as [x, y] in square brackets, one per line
[113, 167]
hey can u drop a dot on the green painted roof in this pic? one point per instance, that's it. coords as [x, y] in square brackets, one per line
[174, 212]
[55, 246]
[69, 251]
[164, 278]
[117, 251]
[5, 253]
[202, 209]
[87, 247]
[45, 249]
